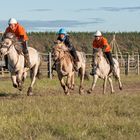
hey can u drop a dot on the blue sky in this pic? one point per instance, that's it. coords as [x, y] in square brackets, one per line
[74, 15]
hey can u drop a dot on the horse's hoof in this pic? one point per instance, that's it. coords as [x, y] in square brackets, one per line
[72, 88]
[15, 86]
[120, 88]
[81, 91]
[29, 93]
[67, 93]
[112, 92]
[89, 91]
[20, 88]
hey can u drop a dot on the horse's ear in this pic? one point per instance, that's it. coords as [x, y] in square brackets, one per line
[95, 50]
[55, 42]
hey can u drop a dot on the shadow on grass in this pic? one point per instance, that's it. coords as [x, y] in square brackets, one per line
[10, 95]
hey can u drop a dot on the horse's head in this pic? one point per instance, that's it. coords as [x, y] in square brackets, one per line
[98, 55]
[5, 46]
[6, 43]
[58, 51]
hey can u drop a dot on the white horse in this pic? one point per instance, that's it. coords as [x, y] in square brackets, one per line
[16, 64]
[102, 70]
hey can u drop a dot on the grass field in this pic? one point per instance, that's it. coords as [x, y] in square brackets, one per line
[50, 115]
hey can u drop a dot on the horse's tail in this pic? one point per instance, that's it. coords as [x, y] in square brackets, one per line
[39, 74]
[115, 71]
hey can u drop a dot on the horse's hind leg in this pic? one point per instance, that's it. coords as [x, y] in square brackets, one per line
[111, 85]
[72, 81]
[104, 85]
[118, 78]
[33, 73]
[95, 77]
[82, 73]
[120, 83]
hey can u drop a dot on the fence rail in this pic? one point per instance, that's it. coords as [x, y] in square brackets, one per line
[128, 64]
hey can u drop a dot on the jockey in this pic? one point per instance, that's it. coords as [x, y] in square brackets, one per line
[63, 37]
[101, 42]
[15, 28]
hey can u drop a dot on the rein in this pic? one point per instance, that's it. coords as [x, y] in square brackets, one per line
[8, 48]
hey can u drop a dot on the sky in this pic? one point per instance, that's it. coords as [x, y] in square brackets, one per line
[73, 15]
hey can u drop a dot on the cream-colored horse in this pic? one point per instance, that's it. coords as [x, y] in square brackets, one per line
[102, 69]
[16, 64]
[64, 67]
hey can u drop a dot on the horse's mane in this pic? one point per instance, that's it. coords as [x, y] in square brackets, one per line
[60, 46]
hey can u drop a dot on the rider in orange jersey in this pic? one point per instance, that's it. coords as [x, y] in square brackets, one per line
[101, 42]
[15, 28]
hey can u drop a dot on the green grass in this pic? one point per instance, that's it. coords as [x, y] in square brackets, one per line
[50, 115]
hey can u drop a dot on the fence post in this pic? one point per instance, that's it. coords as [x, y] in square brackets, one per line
[50, 65]
[127, 64]
[138, 64]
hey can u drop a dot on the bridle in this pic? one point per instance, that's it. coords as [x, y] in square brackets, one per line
[8, 48]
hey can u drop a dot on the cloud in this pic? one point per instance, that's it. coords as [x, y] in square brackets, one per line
[85, 10]
[99, 20]
[34, 25]
[58, 23]
[117, 9]
[40, 10]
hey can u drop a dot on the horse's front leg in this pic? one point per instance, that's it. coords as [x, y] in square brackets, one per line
[14, 80]
[95, 77]
[119, 80]
[72, 81]
[65, 88]
[19, 79]
[111, 85]
[104, 85]
[33, 73]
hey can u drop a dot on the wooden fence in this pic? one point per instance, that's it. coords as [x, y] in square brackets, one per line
[129, 64]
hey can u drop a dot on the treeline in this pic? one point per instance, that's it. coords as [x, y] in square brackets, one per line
[43, 41]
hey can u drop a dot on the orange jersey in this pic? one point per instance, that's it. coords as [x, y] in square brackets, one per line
[101, 43]
[19, 31]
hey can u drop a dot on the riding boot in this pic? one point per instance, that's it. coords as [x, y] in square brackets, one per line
[27, 60]
[75, 58]
[54, 66]
[112, 70]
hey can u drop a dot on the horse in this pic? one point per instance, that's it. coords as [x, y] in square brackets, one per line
[16, 63]
[102, 70]
[64, 67]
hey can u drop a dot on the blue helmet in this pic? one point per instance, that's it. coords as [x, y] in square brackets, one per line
[62, 31]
